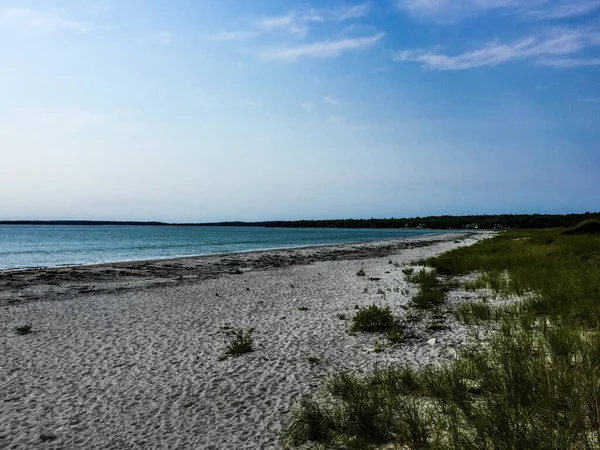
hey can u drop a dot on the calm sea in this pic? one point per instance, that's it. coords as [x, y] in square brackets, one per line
[28, 246]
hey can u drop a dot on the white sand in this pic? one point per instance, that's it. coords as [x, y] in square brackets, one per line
[126, 356]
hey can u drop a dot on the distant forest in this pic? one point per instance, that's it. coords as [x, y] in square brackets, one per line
[433, 222]
[449, 222]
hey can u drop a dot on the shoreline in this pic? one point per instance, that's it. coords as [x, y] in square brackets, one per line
[128, 355]
[59, 283]
[202, 255]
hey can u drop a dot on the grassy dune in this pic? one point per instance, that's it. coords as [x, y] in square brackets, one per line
[531, 382]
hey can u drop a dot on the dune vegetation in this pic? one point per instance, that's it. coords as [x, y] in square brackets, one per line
[530, 381]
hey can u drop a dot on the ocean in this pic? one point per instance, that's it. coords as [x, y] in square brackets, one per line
[30, 246]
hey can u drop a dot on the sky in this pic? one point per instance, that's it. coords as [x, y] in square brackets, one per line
[217, 110]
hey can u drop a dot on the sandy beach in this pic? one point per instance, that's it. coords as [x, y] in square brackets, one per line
[128, 355]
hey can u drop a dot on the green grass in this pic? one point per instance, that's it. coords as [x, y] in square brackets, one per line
[533, 383]
[591, 226]
[240, 344]
[373, 318]
[24, 329]
[361, 273]
[395, 334]
[313, 360]
[475, 312]
[431, 289]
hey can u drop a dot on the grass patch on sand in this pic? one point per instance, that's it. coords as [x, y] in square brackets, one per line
[240, 344]
[533, 382]
[432, 291]
[373, 318]
[24, 329]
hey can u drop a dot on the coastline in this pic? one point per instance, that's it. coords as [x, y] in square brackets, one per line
[127, 355]
[203, 255]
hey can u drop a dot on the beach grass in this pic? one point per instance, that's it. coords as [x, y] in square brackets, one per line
[373, 318]
[532, 382]
[24, 329]
[240, 344]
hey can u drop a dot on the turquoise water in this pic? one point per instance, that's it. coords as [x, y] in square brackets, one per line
[28, 246]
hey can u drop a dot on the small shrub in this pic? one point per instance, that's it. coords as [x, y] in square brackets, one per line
[408, 271]
[240, 344]
[436, 326]
[341, 316]
[24, 329]
[302, 308]
[428, 299]
[395, 335]
[313, 359]
[377, 347]
[361, 273]
[381, 292]
[373, 318]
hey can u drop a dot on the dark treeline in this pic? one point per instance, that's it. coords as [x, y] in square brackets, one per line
[431, 222]
[448, 222]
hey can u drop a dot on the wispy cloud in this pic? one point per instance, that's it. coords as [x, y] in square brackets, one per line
[296, 22]
[567, 9]
[543, 49]
[293, 22]
[570, 62]
[321, 49]
[165, 37]
[232, 35]
[449, 10]
[331, 101]
[28, 19]
[352, 12]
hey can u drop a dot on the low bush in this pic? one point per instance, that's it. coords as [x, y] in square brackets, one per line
[240, 344]
[372, 319]
[24, 329]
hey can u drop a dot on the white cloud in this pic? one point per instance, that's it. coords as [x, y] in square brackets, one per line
[331, 101]
[165, 37]
[449, 10]
[307, 106]
[355, 11]
[291, 23]
[28, 19]
[232, 35]
[321, 49]
[555, 43]
[567, 9]
[570, 62]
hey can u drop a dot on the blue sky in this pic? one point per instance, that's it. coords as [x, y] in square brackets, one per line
[257, 110]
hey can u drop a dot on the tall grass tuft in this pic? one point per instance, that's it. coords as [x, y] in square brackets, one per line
[373, 318]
